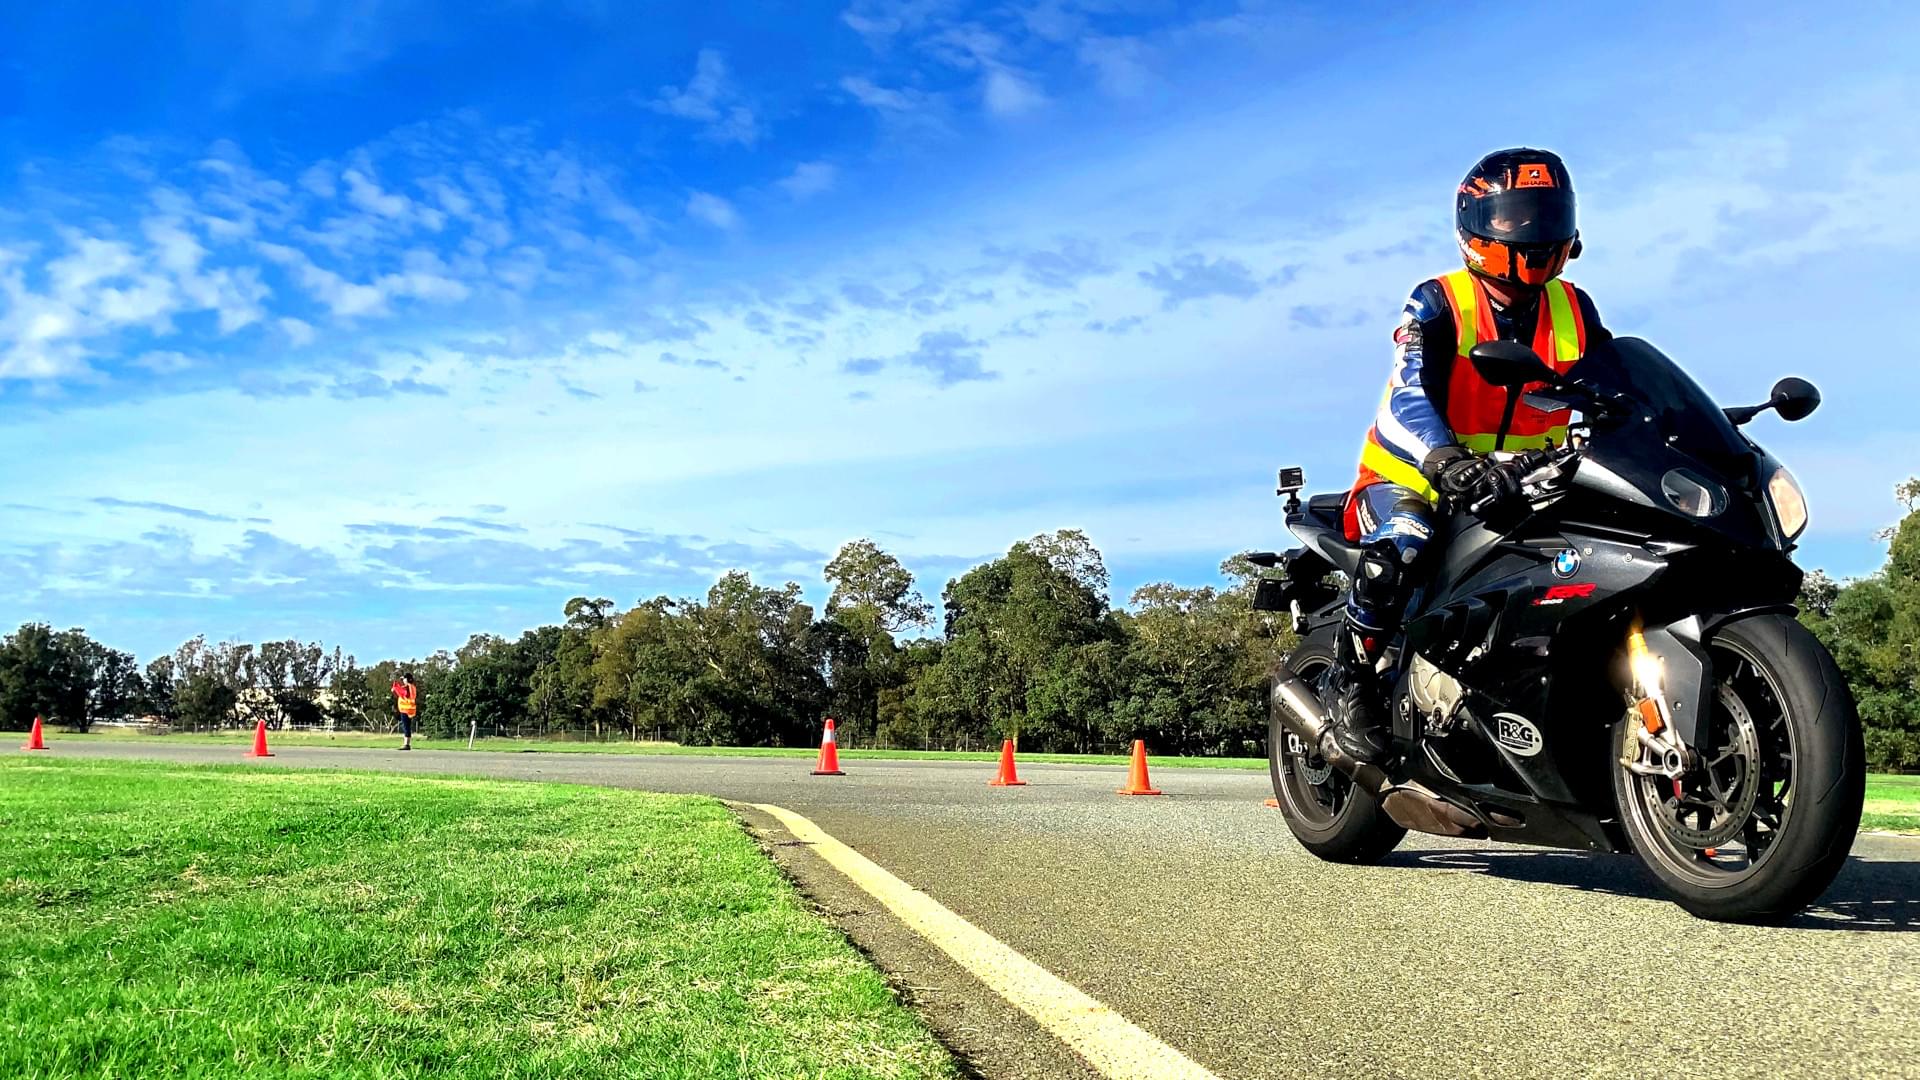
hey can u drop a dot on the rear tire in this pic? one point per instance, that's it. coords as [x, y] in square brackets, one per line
[1774, 679]
[1325, 813]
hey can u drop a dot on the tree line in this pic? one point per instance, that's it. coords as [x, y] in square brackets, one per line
[1027, 645]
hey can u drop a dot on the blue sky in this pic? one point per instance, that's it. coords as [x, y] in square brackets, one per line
[387, 321]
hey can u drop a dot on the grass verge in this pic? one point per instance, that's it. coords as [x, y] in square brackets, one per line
[1893, 802]
[162, 920]
[369, 739]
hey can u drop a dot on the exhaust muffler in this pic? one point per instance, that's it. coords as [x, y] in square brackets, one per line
[1299, 710]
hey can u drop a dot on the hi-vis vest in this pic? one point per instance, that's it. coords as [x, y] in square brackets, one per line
[403, 694]
[1476, 409]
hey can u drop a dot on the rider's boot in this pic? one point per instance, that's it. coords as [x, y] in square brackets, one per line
[1357, 706]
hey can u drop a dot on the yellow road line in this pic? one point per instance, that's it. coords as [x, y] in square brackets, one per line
[1108, 1041]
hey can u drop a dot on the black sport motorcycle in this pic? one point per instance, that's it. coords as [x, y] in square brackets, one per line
[1612, 664]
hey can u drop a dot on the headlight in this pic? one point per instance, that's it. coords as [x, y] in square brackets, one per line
[1788, 504]
[1692, 494]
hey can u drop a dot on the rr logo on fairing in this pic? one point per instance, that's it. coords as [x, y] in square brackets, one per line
[1517, 734]
[1560, 594]
[1567, 563]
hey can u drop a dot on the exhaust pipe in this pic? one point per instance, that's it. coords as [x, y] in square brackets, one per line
[1299, 710]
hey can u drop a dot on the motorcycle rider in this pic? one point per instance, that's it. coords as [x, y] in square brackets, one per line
[1514, 220]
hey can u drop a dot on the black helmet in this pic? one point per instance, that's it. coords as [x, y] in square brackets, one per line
[1515, 219]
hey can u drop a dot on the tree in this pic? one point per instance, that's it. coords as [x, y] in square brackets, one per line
[355, 700]
[1818, 592]
[1871, 626]
[873, 599]
[34, 677]
[158, 689]
[640, 668]
[872, 584]
[1007, 620]
[117, 685]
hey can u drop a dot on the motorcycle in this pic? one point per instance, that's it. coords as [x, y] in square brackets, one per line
[1612, 664]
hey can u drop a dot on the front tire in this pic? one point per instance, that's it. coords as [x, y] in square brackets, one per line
[1325, 813]
[1784, 783]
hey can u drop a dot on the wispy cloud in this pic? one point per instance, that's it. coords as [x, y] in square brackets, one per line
[159, 508]
[809, 178]
[481, 524]
[1196, 277]
[713, 210]
[711, 99]
[948, 355]
[883, 98]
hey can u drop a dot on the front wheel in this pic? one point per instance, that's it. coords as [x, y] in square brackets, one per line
[1759, 830]
[1323, 810]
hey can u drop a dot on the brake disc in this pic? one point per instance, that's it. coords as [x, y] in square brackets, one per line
[1313, 768]
[1730, 776]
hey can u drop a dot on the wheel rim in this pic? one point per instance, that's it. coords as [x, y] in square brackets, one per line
[1724, 822]
[1311, 787]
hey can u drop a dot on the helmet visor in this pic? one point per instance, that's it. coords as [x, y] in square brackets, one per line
[1525, 216]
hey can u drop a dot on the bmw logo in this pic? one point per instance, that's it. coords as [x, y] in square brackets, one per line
[1567, 563]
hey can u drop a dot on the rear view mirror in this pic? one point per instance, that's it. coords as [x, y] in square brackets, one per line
[1794, 399]
[1510, 364]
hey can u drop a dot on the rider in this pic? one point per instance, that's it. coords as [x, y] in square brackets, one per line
[1514, 220]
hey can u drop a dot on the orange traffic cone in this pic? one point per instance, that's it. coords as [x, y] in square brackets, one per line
[1007, 777]
[829, 764]
[35, 740]
[1137, 782]
[260, 740]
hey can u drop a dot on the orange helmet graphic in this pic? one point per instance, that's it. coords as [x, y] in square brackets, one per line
[1515, 219]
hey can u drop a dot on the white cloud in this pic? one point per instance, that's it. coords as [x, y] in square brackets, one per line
[342, 297]
[102, 286]
[299, 332]
[1121, 65]
[714, 210]
[873, 96]
[365, 194]
[711, 99]
[1008, 93]
[879, 20]
[164, 363]
[809, 178]
[319, 179]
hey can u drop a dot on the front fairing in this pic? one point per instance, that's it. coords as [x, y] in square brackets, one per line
[1666, 422]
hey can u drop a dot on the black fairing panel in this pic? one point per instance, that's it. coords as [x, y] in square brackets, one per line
[1503, 618]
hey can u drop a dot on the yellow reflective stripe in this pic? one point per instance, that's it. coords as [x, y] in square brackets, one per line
[1466, 309]
[1395, 471]
[1566, 335]
[1483, 444]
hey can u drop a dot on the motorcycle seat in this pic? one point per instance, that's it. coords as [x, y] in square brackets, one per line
[1328, 508]
[1325, 518]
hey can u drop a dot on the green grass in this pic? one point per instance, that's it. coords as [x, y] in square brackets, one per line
[1893, 802]
[162, 920]
[368, 739]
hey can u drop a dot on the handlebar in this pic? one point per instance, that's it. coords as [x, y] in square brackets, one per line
[1530, 464]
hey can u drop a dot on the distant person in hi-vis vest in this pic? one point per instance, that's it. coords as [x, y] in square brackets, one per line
[1439, 421]
[406, 702]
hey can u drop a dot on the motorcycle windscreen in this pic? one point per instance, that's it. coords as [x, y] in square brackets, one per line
[1686, 416]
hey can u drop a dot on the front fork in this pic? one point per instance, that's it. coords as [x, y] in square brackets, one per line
[1665, 699]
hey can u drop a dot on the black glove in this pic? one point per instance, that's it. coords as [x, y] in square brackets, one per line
[1470, 479]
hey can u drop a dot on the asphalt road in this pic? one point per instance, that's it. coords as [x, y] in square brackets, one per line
[1197, 917]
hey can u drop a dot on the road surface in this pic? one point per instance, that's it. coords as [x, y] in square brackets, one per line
[1198, 918]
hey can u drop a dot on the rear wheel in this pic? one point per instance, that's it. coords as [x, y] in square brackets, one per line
[1326, 814]
[1759, 830]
